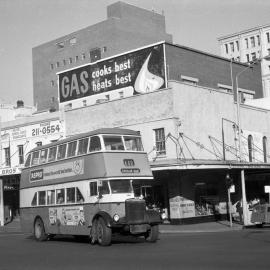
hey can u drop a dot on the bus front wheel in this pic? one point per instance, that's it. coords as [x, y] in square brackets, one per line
[152, 235]
[39, 230]
[104, 233]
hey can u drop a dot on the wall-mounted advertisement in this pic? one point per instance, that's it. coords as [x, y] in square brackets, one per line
[139, 72]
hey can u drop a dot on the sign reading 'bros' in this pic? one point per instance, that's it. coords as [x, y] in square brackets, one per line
[143, 70]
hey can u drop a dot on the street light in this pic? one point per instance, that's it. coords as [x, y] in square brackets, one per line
[244, 199]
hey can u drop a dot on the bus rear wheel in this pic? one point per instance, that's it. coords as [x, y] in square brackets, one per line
[152, 235]
[39, 230]
[104, 234]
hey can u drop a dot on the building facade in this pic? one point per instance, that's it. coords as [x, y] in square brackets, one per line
[248, 45]
[17, 138]
[126, 27]
[188, 122]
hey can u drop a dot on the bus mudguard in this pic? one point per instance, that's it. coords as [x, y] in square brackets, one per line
[107, 218]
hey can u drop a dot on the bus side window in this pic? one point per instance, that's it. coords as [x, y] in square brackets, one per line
[28, 159]
[43, 156]
[72, 149]
[35, 158]
[79, 196]
[93, 189]
[95, 144]
[52, 154]
[51, 197]
[71, 195]
[60, 196]
[83, 144]
[104, 189]
[34, 201]
[41, 197]
[61, 154]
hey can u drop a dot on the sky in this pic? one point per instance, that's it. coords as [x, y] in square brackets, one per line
[25, 24]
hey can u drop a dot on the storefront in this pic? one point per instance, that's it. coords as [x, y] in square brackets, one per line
[200, 192]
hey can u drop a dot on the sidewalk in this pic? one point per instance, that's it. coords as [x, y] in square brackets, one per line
[221, 226]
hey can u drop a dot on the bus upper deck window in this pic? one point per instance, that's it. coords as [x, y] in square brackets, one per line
[71, 149]
[43, 156]
[93, 189]
[51, 197]
[41, 197]
[52, 154]
[79, 196]
[71, 195]
[113, 142]
[95, 144]
[34, 201]
[133, 143]
[82, 147]
[35, 158]
[61, 154]
[28, 159]
[104, 188]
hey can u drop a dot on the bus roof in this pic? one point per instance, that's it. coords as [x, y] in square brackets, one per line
[111, 131]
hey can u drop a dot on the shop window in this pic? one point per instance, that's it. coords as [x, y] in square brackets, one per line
[51, 197]
[7, 156]
[160, 141]
[264, 141]
[71, 152]
[21, 154]
[250, 148]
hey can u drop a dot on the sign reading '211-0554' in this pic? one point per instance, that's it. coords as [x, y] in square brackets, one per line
[143, 70]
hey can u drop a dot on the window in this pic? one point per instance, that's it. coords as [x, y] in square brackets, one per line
[95, 54]
[60, 45]
[43, 156]
[113, 142]
[264, 141]
[237, 45]
[79, 196]
[7, 156]
[247, 57]
[253, 56]
[268, 37]
[268, 51]
[41, 197]
[35, 158]
[232, 46]
[252, 42]
[72, 149]
[83, 56]
[246, 40]
[51, 197]
[21, 154]
[38, 143]
[104, 49]
[94, 144]
[258, 40]
[60, 196]
[71, 195]
[64, 62]
[52, 82]
[160, 141]
[34, 201]
[61, 153]
[104, 188]
[57, 64]
[52, 154]
[73, 41]
[82, 147]
[51, 66]
[76, 58]
[28, 159]
[250, 148]
[226, 48]
[133, 143]
[70, 60]
[93, 189]
[120, 186]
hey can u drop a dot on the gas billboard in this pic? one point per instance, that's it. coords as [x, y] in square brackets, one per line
[142, 70]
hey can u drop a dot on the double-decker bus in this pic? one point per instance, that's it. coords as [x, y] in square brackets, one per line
[83, 185]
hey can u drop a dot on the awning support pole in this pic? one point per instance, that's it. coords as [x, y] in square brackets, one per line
[1, 203]
[244, 198]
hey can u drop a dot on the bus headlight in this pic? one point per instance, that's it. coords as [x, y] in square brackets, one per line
[116, 218]
[163, 216]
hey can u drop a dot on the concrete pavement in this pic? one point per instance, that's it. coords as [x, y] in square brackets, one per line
[220, 226]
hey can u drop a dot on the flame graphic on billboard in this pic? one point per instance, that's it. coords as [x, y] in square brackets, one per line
[146, 81]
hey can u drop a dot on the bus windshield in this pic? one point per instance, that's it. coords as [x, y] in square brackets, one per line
[121, 186]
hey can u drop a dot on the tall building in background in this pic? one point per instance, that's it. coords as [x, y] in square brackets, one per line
[127, 27]
[248, 45]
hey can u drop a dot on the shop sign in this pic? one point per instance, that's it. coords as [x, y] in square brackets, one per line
[267, 189]
[142, 70]
[9, 171]
[180, 207]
